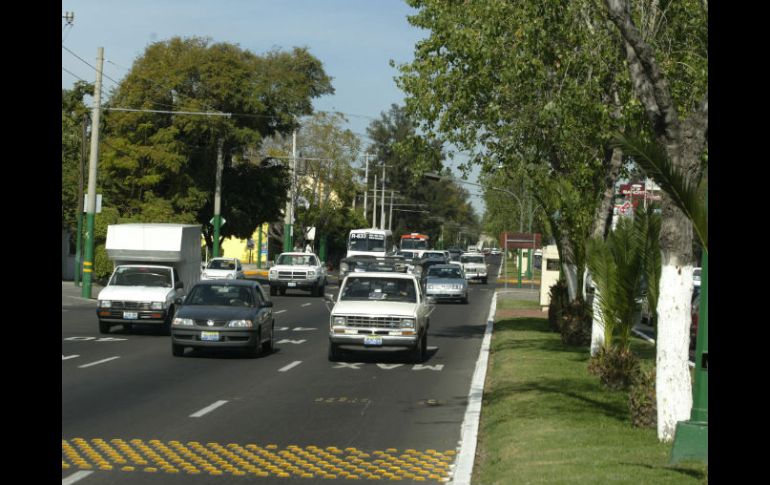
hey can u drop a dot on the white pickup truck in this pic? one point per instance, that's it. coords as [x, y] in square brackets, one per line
[380, 310]
[474, 266]
[297, 271]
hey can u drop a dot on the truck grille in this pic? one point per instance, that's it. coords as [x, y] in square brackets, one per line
[292, 275]
[373, 322]
[131, 305]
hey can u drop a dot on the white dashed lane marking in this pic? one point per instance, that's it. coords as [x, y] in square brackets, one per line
[290, 366]
[207, 409]
[99, 362]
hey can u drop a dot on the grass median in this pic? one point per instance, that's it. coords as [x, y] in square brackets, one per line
[545, 419]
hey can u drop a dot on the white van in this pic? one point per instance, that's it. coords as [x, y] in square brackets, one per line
[370, 242]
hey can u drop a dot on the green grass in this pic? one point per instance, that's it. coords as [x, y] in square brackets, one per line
[509, 304]
[545, 419]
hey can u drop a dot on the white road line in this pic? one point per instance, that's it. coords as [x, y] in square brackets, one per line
[99, 362]
[290, 366]
[279, 311]
[75, 477]
[306, 304]
[65, 357]
[470, 427]
[207, 409]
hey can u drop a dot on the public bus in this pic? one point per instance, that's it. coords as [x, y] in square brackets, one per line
[415, 242]
[370, 242]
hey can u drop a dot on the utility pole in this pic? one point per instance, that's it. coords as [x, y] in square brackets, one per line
[382, 218]
[374, 208]
[366, 185]
[218, 199]
[81, 195]
[390, 218]
[88, 259]
[288, 221]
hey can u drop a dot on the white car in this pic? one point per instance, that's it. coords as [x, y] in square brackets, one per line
[380, 310]
[474, 266]
[297, 271]
[495, 252]
[223, 268]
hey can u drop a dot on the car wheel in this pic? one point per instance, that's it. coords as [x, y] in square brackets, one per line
[484, 280]
[256, 350]
[166, 329]
[267, 347]
[465, 300]
[177, 350]
[334, 352]
[104, 327]
[419, 351]
[322, 291]
[273, 291]
[314, 291]
[282, 291]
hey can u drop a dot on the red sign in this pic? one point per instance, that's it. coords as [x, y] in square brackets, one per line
[520, 240]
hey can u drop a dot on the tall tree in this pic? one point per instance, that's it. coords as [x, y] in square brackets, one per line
[163, 165]
[74, 111]
[678, 122]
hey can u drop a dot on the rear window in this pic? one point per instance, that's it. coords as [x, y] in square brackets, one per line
[379, 289]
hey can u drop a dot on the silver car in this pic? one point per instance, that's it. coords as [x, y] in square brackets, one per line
[446, 282]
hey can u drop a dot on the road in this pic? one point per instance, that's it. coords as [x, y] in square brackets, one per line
[132, 413]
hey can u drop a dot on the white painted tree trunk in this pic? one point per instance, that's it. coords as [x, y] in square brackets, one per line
[673, 386]
[570, 274]
[597, 327]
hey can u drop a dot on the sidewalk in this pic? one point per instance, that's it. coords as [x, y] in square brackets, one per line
[69, 291]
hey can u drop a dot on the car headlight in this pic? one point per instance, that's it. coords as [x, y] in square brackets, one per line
[432, 287]
[407, 323]
[311, 274]
[338, 321]
[183, 321]
[273, 273]
[105, 304]
[240, 323]
[156, 305]
[344, 267]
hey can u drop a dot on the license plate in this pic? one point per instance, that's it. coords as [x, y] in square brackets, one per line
[372, 340]
[210, 336]
[130, 315]
[291, 285]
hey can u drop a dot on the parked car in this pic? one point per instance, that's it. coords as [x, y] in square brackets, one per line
[300, 271]
[230, 314]
[495, 251]
[446, 282]
[380, 311]
[694, 314]
[223, 268]
[696, 277]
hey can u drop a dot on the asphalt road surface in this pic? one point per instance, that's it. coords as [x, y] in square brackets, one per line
[133, 413]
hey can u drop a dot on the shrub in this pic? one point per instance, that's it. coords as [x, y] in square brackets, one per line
[576, 323]
[559, 300]
[641, 401]
[616, 368]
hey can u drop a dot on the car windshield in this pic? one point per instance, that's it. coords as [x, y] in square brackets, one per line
[221, 264]
[141, 276]
[296, 260]
[220, 295]
[434, 255]
[406, 254]
[378, 289]
[472, 259]
[451, 273]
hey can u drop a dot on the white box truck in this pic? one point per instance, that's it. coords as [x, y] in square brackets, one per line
[154, 265]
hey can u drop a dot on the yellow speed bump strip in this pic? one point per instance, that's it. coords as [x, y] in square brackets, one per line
[215, 459]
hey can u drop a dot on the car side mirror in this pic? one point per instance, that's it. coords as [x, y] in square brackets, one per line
[178, 285]
[178, 301]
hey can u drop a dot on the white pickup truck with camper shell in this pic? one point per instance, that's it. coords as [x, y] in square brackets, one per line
[154, 265]
[297, 271]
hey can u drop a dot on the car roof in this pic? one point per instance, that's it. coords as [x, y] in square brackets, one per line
[227, 282]
[442, 266]
[381, 274]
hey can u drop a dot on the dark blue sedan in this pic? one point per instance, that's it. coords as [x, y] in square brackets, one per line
[224, 314]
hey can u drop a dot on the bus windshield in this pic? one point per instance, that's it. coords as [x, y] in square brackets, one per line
[409, 243]
[367, 241]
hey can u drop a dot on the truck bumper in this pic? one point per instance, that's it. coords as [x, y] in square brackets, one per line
[388, 341]
[112, 315]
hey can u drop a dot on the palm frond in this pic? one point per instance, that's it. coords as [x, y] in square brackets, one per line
[686, 194]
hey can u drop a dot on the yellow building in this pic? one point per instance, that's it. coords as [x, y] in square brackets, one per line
[238, 248]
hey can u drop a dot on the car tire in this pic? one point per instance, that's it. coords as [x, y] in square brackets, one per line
[322, 290]
[177, 350]
[419, 350]
[282, 291]
[465, 300]
[256, 350]
[273, 291]
[267, 347]
[315, 291]
[484, 280]
[104, 327]
[335, 354]
[166, 328]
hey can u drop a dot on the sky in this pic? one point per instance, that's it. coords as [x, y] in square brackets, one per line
[354, 39]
